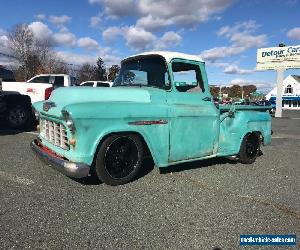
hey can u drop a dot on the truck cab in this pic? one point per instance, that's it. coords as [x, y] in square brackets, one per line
[160, 103]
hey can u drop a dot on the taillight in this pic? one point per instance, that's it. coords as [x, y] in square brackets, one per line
[48, 92]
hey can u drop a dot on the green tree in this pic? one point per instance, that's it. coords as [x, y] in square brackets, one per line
[248, 89]
[100, 71]
[214, 91]
[113, 72]
[235, 91]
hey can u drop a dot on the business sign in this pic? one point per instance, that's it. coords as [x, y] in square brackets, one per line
[278, 57]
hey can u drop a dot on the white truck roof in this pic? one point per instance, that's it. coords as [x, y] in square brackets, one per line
[47, 75]
[169, 55]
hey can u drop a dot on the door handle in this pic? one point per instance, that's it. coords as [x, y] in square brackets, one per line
[207, 99]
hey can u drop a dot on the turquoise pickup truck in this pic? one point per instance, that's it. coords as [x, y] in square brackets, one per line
[159, 105]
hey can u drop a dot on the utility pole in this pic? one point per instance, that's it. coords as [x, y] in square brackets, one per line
[242, 93]
[280, 76]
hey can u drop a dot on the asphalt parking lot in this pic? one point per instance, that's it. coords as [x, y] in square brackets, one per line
[201, 205]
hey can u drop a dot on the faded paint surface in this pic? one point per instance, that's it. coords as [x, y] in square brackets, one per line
[192, 129]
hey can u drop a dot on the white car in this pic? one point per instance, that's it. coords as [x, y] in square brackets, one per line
[39, 88]
[97, 84]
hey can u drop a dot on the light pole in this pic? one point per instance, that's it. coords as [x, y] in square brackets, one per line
[242, 92]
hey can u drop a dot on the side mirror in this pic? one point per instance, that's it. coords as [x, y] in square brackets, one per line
[186, 84]
[180, 84]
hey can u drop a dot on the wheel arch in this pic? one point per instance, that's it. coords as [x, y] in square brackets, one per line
[255, 132]
[145, 142]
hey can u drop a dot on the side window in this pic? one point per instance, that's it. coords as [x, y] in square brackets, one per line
[59, 81]
[187, 77]
[88, 84]
[136, 77]
[102, 84]
[40, 79]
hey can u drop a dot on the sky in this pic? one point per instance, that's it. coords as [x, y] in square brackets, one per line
[225, 33]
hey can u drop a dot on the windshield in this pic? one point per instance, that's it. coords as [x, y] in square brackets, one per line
[148, 71]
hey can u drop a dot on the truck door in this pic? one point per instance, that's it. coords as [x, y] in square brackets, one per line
[194, 119]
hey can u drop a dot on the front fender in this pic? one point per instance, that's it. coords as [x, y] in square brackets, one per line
[90, 134]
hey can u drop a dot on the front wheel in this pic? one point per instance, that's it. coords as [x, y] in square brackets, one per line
[119, 159]
[250, 148]
[18, 116]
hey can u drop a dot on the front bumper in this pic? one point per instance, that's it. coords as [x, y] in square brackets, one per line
[71, 169]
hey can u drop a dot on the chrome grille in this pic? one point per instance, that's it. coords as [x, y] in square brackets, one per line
[55, 133]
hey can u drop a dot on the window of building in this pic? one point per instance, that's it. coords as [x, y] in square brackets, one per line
[288, 89]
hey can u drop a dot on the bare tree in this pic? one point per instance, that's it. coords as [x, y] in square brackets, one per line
[86, 72]
[21, 42]
[34, 56]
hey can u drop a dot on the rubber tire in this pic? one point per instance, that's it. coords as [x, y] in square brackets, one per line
[100, 168]
[28, 117]
[243, 157]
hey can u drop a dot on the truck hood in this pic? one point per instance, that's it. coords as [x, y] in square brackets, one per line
[70, 95]
[64, 97]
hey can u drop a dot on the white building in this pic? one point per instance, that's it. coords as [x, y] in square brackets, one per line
[291, 93]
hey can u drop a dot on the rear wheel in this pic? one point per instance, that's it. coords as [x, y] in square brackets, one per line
[119, 159]
[250, 148]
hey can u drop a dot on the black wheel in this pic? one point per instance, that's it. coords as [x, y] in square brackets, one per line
[119, 159]
[250, 148]
[18, 116]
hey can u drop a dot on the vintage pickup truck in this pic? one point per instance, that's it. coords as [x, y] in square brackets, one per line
[160, 104]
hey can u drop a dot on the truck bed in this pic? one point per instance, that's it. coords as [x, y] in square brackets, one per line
[226, 107]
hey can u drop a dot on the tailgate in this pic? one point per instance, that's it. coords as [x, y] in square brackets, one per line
[36, 91]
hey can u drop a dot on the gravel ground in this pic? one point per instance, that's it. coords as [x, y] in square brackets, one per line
[200, 205]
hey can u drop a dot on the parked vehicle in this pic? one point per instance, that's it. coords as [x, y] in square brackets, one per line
[96, 84]
[40, 87]
[15, 109]
[160, 104]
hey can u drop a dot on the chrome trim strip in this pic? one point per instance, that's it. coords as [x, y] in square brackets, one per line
[152, 122]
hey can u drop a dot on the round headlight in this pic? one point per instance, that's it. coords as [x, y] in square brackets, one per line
[69, 121]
